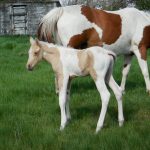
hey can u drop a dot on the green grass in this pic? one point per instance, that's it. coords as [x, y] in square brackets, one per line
[30, 115]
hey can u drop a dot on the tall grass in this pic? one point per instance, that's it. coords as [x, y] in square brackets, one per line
[30, 115]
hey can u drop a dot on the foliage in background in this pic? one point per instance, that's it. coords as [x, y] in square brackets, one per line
[110, 5]
[143, 4]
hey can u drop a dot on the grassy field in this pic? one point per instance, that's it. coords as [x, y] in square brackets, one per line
[30, 115]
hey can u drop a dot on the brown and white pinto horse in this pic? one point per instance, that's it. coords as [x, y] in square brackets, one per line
[125, 32]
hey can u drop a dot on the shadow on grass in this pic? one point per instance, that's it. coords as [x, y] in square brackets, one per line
[82, 86]
[129, 113]
[86, 111]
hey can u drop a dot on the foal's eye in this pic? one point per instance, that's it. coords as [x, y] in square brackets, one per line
[35, 53]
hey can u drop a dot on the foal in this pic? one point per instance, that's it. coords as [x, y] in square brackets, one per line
[68, 63]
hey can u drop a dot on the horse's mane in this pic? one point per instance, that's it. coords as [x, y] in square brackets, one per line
[47, 30]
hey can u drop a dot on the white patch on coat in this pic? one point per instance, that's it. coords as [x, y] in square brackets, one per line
[69, 59]
[75, 22]
[98, 30]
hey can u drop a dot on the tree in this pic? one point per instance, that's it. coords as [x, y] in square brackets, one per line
[109, 4]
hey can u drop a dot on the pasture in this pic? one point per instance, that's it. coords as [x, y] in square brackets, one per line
[30, 115]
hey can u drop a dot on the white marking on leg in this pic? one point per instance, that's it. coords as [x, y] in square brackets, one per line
[105, 95]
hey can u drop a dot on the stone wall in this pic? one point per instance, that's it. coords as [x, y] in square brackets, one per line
[24, 20]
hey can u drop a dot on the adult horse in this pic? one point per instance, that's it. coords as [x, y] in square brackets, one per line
[125, 32]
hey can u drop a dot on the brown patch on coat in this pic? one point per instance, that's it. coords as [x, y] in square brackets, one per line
[145, 43]
[88, 38]
[108, 22]
[86, 63]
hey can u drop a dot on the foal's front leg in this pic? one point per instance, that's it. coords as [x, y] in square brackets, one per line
[62, 82]
[56, 85]
[68, 99]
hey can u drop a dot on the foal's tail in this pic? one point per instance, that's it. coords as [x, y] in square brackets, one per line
[111, 64]
[47, 30]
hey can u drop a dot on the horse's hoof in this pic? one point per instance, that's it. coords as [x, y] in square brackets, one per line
[148, 91]
[98, 129]
[121, 123]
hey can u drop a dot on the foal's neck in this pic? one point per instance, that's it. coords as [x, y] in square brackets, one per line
[47, 57]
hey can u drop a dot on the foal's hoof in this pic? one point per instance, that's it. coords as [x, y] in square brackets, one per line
[121, 123]
[61, 128]
[57, 93]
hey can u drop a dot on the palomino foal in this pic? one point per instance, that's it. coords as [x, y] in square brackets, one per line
[69, 62]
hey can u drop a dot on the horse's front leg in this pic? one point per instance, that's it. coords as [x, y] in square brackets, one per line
[126, 69]
[142, 60]
[62, 82]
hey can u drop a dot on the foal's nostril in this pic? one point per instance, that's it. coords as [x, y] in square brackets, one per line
[29, 67]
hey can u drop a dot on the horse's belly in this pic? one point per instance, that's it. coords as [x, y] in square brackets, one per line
[121, 46]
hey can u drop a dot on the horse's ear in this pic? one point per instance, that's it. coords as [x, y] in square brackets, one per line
[31, 40]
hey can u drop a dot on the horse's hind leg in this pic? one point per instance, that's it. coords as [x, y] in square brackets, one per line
[118, 94]
[117, 91]
[126, 69]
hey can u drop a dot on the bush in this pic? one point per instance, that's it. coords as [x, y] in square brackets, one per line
[143, 4]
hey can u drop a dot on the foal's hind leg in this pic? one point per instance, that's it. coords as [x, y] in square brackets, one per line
[105, 95]
[126, 69]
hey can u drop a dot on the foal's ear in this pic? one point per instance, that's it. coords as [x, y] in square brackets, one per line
[37, 41]
[31, 40]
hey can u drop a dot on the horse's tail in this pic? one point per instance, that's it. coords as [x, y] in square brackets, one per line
[47, 30]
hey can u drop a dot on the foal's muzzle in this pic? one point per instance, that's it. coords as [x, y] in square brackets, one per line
[29, 67]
